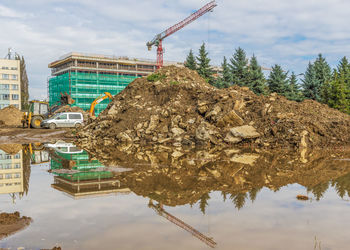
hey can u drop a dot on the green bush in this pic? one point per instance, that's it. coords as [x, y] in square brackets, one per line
[155, 77]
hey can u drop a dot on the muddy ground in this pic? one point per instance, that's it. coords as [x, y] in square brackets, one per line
[11, 223]
[24, 136]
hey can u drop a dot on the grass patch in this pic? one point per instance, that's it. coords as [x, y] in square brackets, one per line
[174, 83]
[155, 77]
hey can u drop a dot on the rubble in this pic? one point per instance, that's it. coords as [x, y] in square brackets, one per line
[176, 107]
[11, 117]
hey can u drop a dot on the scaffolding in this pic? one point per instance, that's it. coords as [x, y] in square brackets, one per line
[84, 88]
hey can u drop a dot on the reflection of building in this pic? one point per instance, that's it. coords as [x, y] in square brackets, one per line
[78, 176]
[11, 173]
[10, 87]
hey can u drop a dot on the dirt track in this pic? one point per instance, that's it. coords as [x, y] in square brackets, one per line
[21, 136]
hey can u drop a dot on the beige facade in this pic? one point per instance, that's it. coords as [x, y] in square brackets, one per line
[11, 173]
[10, 87]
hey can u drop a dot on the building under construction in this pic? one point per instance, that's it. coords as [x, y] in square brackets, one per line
[87, 76]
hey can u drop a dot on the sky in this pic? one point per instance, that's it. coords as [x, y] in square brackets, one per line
[289, 33]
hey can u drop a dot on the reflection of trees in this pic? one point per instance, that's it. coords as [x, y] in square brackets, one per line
[203, 202]
[26, 171]
[190, 178]
[342, 185]
[318, 190]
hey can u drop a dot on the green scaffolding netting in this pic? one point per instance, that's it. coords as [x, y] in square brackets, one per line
[84, 88]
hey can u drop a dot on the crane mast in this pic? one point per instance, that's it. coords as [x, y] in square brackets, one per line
[157, 40]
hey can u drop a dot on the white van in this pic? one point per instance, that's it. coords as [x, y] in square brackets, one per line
[64, 120]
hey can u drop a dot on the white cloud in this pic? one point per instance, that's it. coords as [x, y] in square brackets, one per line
[289, 33]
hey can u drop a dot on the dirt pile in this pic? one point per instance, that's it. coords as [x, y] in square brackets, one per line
[11, 149]
[11, 116]
[11, 223]
[175, 106]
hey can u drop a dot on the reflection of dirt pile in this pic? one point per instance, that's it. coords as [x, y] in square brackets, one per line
[11, 116]
[11, 223]
[176, 106]
[174, 179]
[11, 149]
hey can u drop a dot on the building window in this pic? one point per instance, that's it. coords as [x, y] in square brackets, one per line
[5, 76]
[14, 68]
[5, 86]
[15, 97]
[1, 166]
[17, 156]
[8, 184]
[1, 176]
[14, 86]
[14, 77]
[8, 166]
[1, 156]
[6, 97]
[8, 157]
[17, 183]
[17, 166]
[3, 67]
[17, 175]
[8, 176]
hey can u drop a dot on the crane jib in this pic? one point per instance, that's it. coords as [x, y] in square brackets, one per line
[206, 8]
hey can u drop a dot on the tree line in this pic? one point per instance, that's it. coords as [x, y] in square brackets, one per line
[319, 82]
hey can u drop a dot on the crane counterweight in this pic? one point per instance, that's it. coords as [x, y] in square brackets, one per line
[157, 40]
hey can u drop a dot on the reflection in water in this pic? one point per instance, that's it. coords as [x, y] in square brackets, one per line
[167, 178]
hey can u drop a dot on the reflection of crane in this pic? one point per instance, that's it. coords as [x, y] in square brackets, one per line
[160, 210]
[98, 100]
[157, 40]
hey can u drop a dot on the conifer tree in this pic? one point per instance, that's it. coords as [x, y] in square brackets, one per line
[226, 80]
[239, 67]
[203, 202]
[294, 92]
[203, 68]
[277, 80]
[311, 84]
[191, 61]
[257, 81]
[323, 72]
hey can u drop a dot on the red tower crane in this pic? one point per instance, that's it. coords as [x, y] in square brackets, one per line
[157, 40]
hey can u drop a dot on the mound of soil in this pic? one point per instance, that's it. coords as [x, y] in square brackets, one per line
[175, 106]
[11, 149]
[11, 223]
[11, 116]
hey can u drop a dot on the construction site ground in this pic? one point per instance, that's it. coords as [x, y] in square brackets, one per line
[25, 135]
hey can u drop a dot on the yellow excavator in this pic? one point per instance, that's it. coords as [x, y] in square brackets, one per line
[98, 100]
[39, 110]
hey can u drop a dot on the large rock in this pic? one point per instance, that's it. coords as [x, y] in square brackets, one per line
[232, 139]
[245, 132]
[230, 119]
[202, 132]
[152, 124]
[177, 131]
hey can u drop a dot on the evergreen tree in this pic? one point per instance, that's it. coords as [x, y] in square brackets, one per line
[191, 61]
[277, 80]
[239, 68]
[293, 92]
[323, 71]
[311, 84]
[256, 77]
[226, 80]
[203, 68]
[24, 83]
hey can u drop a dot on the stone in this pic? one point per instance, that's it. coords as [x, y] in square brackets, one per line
[239, 105]
[232, 139]
[202, 132]
[154, 120]
[202, 109]
[248, 159]
[177, 131]
[245, 132]
[124, 137]
[231, 119]
[303, 143]
[212, 115]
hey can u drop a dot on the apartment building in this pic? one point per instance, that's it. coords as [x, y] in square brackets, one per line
[10, 87]
[11, 173]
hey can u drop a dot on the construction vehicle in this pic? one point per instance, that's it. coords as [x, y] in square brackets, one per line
[97, 101]
[157, 40]
[158, 208]
[39, 110]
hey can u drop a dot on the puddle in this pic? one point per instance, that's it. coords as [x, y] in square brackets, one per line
[151, 200]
